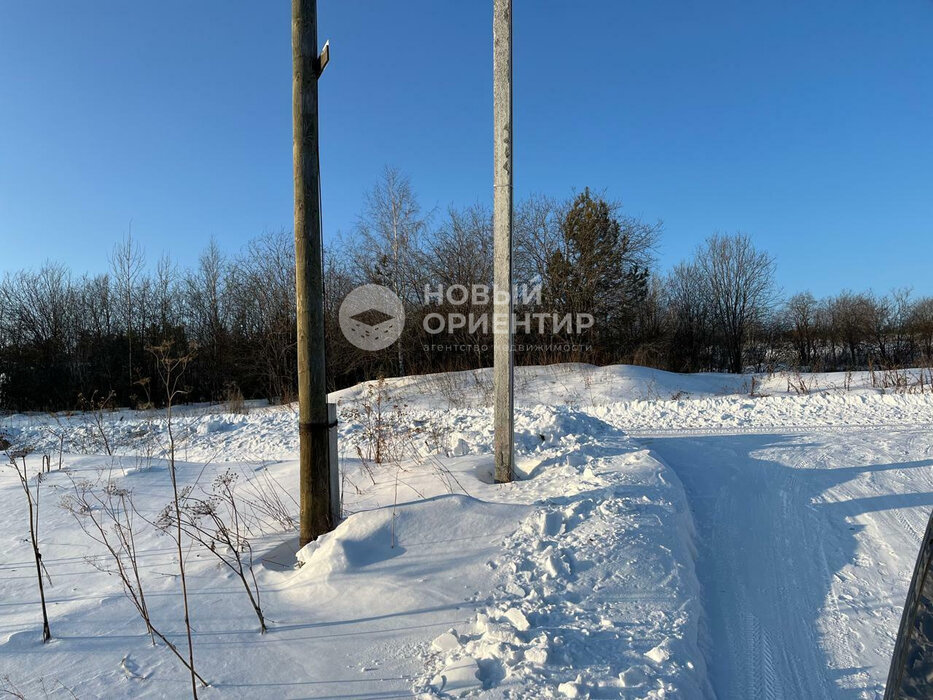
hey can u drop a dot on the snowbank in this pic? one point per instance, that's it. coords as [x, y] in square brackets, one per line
[579, 579]
[596, 593]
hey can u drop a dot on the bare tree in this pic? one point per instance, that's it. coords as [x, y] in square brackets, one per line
[166, 300]
[260, 292]
[904, 344]
[126, 263]
[851, 319]
[537, 236]
[690, 316]
[921, 324]
[801, 313]
[460, 254]
[39, 331]
[740, 283]
[205, 296]
[391, 225]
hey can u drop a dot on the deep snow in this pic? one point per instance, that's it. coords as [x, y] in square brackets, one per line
[671, 536]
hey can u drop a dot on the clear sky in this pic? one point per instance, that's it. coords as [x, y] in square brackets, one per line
[807, 123]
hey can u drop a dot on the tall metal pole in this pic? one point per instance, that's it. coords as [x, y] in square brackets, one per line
[502, 234]
[314, 474]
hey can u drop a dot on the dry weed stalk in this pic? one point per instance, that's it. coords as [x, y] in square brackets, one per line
[171, 370]
[216, 522]
[17, 460]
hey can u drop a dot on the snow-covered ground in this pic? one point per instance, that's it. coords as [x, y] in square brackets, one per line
[687, 536]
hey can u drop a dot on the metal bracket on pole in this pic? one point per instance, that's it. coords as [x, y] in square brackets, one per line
[324, 58]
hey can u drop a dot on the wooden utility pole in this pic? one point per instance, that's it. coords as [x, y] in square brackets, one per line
[313, 423]
[502, 233]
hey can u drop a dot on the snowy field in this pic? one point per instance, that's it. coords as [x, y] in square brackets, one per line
[670, 536]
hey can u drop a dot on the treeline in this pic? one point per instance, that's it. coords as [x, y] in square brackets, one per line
[67, 340]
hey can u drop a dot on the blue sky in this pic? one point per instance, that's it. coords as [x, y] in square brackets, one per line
[807, 124]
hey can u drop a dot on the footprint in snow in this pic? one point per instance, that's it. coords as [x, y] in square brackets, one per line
[131, 669]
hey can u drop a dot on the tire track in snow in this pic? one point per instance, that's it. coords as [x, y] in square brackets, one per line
[806, 542]
[760, 536]
[764, 682]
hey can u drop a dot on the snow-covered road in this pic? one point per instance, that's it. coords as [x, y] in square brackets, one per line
[806, 545]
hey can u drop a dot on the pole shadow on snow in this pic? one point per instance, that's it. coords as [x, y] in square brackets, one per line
[772, 541]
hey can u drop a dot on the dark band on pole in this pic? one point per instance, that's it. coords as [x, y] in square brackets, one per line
[314, 425]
